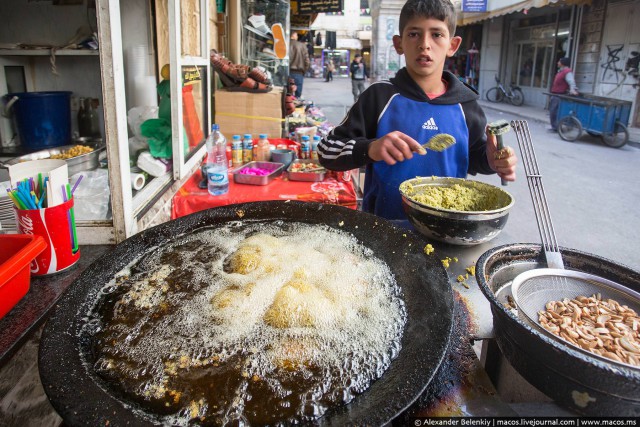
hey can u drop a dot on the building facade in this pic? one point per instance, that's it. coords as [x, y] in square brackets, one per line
[521, 42]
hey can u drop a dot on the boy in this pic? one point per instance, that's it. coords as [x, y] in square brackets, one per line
[393, 118]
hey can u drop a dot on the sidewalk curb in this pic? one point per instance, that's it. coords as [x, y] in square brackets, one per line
[515, 112]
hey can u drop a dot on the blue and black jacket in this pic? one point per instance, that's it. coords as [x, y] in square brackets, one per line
[399, 104]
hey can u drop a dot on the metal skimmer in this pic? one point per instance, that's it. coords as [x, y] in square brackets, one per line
[533, 289]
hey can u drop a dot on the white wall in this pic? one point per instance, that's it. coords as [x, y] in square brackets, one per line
[621, 37]
[492, 33]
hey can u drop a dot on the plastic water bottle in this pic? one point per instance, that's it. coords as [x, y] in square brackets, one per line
[217, 166]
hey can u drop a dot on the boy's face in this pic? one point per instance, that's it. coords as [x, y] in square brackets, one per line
[426, 43]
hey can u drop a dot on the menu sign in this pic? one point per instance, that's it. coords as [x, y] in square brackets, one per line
[319, 6]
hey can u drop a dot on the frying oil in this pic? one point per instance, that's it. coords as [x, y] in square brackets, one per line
[248, 324]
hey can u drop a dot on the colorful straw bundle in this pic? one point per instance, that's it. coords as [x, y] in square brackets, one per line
[31, 194]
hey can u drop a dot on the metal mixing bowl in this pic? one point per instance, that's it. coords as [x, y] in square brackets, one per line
[453, 226]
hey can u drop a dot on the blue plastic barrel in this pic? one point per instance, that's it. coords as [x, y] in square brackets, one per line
[43, 119]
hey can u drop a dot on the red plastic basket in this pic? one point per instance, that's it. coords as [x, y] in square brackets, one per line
[16, 253]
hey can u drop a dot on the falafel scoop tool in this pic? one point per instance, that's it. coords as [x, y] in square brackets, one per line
[439, 142]
[533, 289]
[499, 128]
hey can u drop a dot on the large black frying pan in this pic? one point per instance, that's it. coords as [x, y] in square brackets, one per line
[574, 379]
[81, 398]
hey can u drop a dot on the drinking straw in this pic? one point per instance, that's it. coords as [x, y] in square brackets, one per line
[25, 200]
[40, 183]
[43, 195]
[64, 197]
[73, 190]
[33, 194]
[73, 221]
[16, 200]
[26, 196]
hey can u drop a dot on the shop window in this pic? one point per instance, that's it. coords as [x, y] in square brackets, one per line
[525, 69]
[531, 64]
[544, 58]
[194, 107]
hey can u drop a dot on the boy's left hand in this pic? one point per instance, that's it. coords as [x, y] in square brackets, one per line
[502, 161]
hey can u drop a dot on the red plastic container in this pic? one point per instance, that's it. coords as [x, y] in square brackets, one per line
[17, 251]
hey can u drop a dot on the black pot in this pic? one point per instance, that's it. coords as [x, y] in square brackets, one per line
[83, 398]
[574, 379]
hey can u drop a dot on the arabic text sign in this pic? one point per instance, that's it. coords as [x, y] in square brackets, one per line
[474, 5]
[319, 6]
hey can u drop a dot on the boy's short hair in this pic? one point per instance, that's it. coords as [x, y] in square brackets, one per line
[442, 10]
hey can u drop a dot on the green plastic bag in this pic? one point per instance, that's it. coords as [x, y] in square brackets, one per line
[158, 132]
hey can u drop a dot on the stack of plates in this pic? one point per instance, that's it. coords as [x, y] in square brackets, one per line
[7, 213]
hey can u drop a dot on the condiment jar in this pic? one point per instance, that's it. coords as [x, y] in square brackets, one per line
[247, 148]
[263, 150]
[236, 151]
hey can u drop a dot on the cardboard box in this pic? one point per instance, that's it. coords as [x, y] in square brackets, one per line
[238, 113]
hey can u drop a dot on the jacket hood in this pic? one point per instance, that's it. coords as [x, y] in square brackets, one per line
[457, 91]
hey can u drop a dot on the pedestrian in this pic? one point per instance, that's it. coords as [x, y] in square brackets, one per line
[330, 69]
[384, 129]
[299, 62]
[359, 74]
[311, 54]
[564, 82]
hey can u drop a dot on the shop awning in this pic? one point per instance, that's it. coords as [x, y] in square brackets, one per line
[502, 7]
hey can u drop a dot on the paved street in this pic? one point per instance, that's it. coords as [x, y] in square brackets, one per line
[592, 190]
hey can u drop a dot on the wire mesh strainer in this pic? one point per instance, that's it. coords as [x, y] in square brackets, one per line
[533, 289]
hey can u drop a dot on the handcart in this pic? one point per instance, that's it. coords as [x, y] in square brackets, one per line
[598, 116]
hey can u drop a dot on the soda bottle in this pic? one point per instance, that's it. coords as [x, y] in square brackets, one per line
[314, 147]
[236, 151]
[217, 166]
[264, 151]
[305, 147]
[247, 148]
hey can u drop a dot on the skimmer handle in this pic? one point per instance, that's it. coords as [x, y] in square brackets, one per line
[538, 197]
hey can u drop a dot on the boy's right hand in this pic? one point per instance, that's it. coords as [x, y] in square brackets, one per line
[394, 147]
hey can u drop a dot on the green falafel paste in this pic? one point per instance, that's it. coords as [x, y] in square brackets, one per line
[469, 198]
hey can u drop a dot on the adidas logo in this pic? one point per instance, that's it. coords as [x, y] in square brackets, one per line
[430, 124]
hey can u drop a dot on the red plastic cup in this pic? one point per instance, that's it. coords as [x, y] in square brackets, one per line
[55, 226]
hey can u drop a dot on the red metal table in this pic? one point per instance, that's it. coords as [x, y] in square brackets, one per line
[337, 189]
